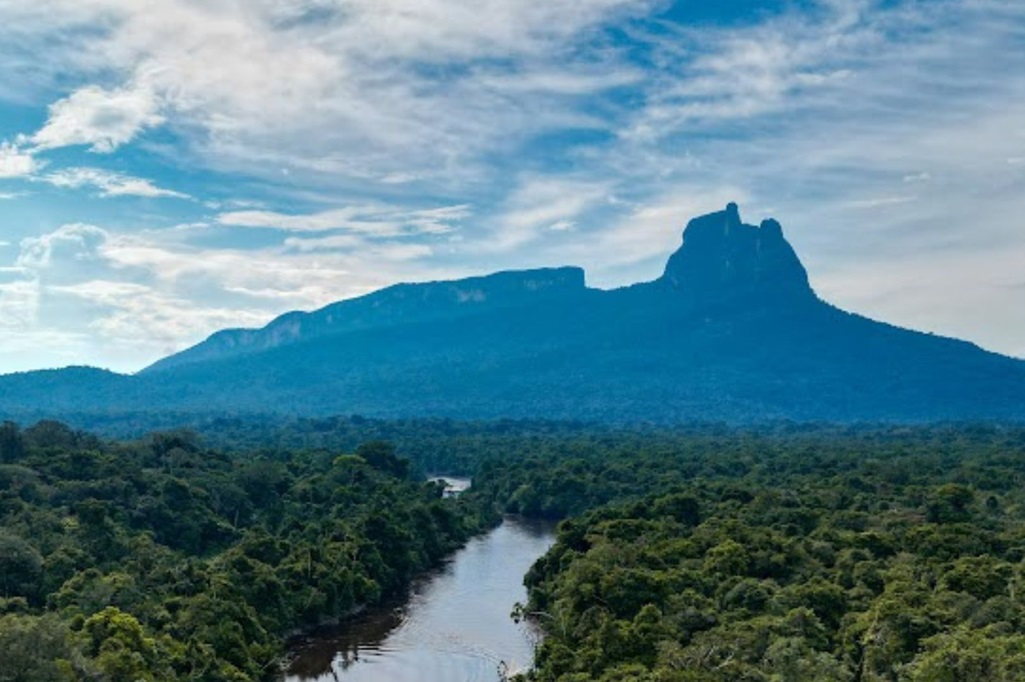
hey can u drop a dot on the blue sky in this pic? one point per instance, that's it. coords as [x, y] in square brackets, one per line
[168, 169]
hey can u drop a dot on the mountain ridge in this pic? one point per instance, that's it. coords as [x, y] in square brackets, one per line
[686, 272]
[509, 287]
[732, 330]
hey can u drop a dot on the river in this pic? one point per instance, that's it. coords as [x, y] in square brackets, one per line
[455, 626]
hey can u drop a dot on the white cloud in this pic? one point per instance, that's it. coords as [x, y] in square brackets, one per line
[437, 220]
[583, 80]
[109, 184]
[539, 205]
[134, 313]
[19, 300]
[153, 296]
[234, 204]
[131, 299]
[15, 163]
[372, 220]
[75, 241]
[99, 118]
[718, 75]
[335, 219]
[439, 31]
[362, 91]
[339, 242]
[21, 348]
[880, 202]
[104, 292]
[402, 252]
[304, 278]
[391, 251]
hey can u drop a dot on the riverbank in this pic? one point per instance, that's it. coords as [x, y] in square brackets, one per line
[455, 624]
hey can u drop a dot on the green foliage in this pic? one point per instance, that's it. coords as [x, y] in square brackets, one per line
[36, 648]
[21, 568]
[877, 556]
[159, 560]
[891, 554]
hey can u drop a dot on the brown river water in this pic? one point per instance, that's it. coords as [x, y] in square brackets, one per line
[455, 626]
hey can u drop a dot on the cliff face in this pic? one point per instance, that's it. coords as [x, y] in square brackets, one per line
[722, 260]
[394, 305]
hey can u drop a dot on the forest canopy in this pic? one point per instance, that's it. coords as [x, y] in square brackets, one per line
[164, 560]
[701, 553]
[879, 555]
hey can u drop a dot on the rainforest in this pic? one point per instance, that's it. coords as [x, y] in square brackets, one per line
[707, 553]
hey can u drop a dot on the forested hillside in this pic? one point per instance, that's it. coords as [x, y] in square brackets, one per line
[162, 560]
[883, 556]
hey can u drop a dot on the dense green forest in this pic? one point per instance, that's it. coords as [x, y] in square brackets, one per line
[459, 447]
[876, 555]
[783, 552]
[435, 445]
[163, 560]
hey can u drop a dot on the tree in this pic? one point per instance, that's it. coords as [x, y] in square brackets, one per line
[380, 455]
[35, 649]
[121, 649]
[21, 568]
[12, 446]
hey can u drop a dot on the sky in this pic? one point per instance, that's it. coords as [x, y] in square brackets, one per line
[175, 167]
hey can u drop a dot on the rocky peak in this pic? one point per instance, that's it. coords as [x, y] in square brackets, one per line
[722, 259]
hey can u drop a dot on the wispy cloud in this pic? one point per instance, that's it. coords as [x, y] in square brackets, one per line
[76, 241]
[381, 90]
[375, 220]
[539, 205]
[880, 202]
[99, 118]
[109, 184]
[19, 304]
[132, 314]
[150, 293]
[392, 252]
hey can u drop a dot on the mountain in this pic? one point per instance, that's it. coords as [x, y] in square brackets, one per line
[399, 304]
[732, 331]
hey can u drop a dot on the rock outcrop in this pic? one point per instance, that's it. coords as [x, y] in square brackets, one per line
[722, 260]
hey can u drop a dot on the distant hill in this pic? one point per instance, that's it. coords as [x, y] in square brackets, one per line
[731, 331]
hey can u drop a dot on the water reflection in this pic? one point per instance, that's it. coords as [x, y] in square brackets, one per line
[455, 626]
[453, 486]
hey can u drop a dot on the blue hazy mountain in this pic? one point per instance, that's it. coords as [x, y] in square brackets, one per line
[731, 330]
